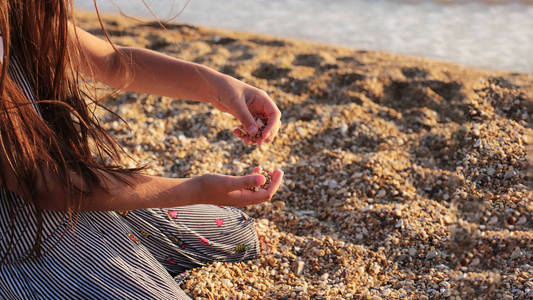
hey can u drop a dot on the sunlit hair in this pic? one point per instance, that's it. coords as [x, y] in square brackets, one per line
[67, 137]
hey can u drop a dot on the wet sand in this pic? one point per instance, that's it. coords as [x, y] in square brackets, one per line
[405, 177]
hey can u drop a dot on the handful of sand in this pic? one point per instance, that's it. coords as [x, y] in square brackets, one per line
[261, 122]
[264, 186]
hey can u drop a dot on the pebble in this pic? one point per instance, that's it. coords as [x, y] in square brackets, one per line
[333, 184]
[432, 254]
[491, 171]
[521, 221]
[397, 212]
[343, 129]
[461, 277]
[445, 292]
[475, 130]
[493, 220]
[298, 289]
[298, 267]
[445, 284]
[361, 270]
[301, 131]
[399, 223]
[278, 204]
[306, 212]
[475, 262]
[375, 268]
[516, 253]
[227, 283]
[272, 261]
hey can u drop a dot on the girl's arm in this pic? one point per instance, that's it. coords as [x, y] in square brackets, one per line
[146, 191]
[155, 73]
[159, 192]
[151, 72]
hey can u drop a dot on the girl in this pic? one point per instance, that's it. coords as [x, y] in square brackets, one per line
[59, 170]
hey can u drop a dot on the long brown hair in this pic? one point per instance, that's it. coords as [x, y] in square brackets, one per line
[66, 137]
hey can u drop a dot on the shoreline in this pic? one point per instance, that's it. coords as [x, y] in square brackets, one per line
[331, 44]
[405, 177]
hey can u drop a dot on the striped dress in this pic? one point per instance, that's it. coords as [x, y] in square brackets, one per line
[130, 255]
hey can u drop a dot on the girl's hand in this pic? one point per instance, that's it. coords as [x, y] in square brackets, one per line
[232, 190]
[246, 103]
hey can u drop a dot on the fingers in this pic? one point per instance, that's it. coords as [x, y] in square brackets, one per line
[238, 132]
[233, 183]
[246, 118]
[272, 127]
[261, 104]
[246, 197]
[271, 111]
[277, 176]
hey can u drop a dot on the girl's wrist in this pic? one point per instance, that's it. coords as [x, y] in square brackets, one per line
[196, 188]
[223, 86]
[175, 191]
[211, 82]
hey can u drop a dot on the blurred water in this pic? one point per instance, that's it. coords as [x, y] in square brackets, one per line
[495, 36]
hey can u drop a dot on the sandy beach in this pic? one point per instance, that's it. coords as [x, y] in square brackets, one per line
[405, 178]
